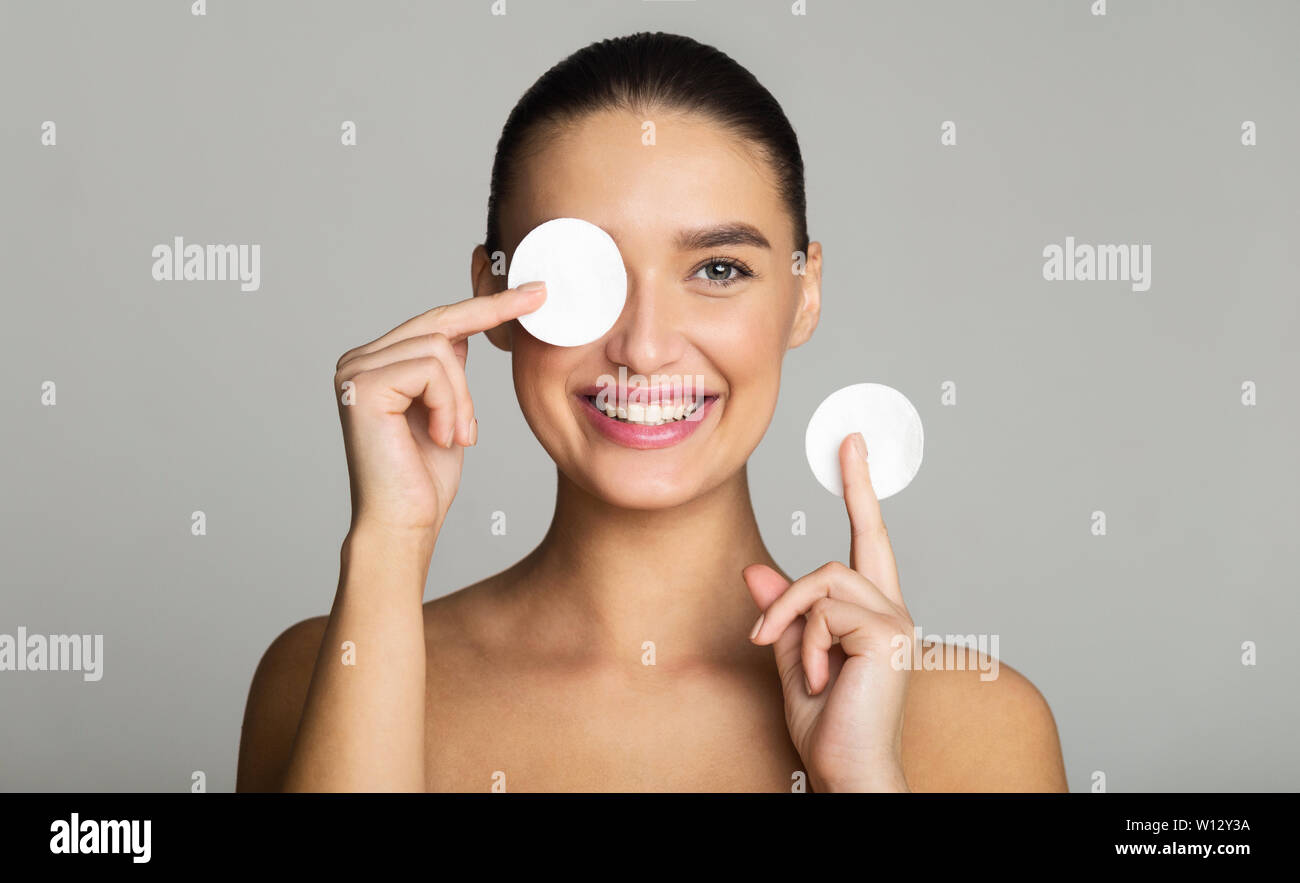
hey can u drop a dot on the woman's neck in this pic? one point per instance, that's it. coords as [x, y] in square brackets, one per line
[604, 580]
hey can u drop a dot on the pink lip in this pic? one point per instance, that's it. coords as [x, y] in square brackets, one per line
[644, 438]
[647, 393]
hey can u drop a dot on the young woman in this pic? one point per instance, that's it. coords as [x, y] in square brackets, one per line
[536, 678]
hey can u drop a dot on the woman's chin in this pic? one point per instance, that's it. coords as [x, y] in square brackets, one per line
[642, 492]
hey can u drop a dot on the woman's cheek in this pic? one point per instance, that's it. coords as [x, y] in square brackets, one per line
[540, 373]
[748, 356]
[748, 346]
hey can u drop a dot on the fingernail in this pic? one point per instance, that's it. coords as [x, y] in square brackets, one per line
[807, 686]
[531, 286]
[753, 633]
[473, 432]
[861, 444]
[451, 436]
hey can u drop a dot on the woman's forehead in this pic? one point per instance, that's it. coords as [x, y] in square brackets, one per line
[607, 169]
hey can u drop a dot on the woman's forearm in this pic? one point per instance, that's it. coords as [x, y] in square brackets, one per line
[362, 726]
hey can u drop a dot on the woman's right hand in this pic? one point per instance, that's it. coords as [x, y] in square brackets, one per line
[407, 414]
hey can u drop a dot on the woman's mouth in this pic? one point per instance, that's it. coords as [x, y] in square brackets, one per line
[648, 426]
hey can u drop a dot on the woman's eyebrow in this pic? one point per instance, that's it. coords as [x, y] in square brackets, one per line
[735, 233]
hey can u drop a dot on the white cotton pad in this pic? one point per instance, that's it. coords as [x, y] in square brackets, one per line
[586, 282]
[888, 422]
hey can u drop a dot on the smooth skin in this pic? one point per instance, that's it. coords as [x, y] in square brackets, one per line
[537, 677]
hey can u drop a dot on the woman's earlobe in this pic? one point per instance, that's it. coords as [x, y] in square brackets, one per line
[810, 298]
[486, 282]
[502, 336]
[804, 325]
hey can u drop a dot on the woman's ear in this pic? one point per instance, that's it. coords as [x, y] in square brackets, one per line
[488, 276]
[810, 297]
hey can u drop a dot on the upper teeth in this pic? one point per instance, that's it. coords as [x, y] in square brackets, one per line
[652, 415]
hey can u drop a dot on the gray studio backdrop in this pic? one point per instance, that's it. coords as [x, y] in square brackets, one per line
[1071, 397]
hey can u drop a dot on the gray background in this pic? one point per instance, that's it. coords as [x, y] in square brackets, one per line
[1072, 397]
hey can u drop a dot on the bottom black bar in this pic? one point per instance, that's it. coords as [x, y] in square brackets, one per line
[618, 833]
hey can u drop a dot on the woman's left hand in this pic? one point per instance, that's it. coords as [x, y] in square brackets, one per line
[843, 701]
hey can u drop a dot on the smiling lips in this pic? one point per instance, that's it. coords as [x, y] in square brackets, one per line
[664, 394]
[661, 423]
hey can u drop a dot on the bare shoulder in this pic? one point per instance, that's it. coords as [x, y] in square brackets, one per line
[280, 684]
[275, 703]
[460, 625]
[977, 724]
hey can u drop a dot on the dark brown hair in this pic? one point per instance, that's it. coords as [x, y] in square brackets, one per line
[644, 71]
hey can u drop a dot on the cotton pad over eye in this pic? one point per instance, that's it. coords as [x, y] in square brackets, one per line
[888, 422]
[586, 282]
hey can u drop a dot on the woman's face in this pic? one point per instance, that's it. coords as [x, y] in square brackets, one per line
[713, 302]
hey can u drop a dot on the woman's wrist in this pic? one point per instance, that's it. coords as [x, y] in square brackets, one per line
[395, 554]
[888, 779]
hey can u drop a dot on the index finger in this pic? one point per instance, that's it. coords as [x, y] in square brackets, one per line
[461, 319]
[870, 552]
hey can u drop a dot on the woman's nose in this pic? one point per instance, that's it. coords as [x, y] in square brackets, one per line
[648, 334]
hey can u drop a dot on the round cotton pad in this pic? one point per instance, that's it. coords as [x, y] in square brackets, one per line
[888, 422]
[586, 283]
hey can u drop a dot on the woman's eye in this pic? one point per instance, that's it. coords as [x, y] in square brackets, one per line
[722, 272]
[718, 272]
